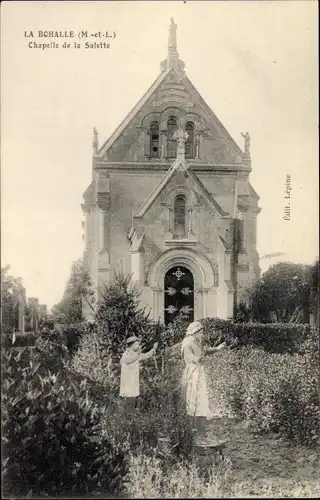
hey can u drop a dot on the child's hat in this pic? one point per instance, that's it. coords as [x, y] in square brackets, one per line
[132, 339]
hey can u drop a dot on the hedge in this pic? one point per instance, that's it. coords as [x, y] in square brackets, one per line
[273, 337]
[18, 339]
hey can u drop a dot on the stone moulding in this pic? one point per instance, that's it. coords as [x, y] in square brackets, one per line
[195, 261]
[165, 165]
[181, 243]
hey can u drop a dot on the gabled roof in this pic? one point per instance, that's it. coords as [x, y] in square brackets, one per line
[179, 164]
[172, 63]
[211, 115]
[155, 193]
[199, 102]
[205, 193]
[132, 113]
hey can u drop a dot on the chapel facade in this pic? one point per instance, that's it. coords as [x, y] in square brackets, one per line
[171, 204]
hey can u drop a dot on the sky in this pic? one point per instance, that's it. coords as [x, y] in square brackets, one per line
[254, 63]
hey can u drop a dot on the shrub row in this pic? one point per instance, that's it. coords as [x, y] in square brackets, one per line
[68, 335]
[272, 392]
[18, 339]
[274, 337]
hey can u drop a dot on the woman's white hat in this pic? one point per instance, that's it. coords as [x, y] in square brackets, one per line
[194, 328]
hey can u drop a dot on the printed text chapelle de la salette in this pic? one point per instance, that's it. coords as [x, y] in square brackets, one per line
[51, 39]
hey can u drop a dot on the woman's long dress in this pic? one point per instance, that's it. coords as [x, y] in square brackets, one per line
[193, 380]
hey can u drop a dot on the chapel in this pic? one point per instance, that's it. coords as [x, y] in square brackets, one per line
[171, 204]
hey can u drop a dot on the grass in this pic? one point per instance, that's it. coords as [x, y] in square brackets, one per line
[254, 467]
[266, 465]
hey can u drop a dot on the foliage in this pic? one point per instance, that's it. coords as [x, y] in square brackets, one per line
[73, 334]
[273, 337]
[242, 313]
[60, 343]
[148, 478]
[283, 290]
[52, 349]
[272, 392]
[69, 309]
[119, 315]
[159, 413]
[176, 330]
[314, 275]
[10, 292]
[98, 359]
[314, 298]
[18, 339]
[49, 432]
[93, 361]
[160, 391]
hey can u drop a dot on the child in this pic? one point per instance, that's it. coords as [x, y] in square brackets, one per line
[130, 365]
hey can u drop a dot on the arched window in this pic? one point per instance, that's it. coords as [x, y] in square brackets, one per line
[190, 146]
[154, 140]
[180, 209]
[172, 126]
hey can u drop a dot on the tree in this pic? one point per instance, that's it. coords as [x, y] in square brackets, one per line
[69, 309]
[118, 317]
[119, 314]
[242, 313]
[10, 295]
[282, 294]
[314, 295]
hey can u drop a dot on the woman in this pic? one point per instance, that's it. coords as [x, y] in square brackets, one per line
[193, 379]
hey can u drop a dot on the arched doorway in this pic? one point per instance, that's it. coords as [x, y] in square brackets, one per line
[178, 293]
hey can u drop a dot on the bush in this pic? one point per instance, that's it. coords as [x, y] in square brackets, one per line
[274, 337]
[58, 346]
[273, 392]
[18, 340]
[149, 478]
[168, 415]
[176, 330]
[243, 313]
[93, 361]
[73, 334]
[99, 351]
[52, 350]
[160, 412]
[49, 426]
